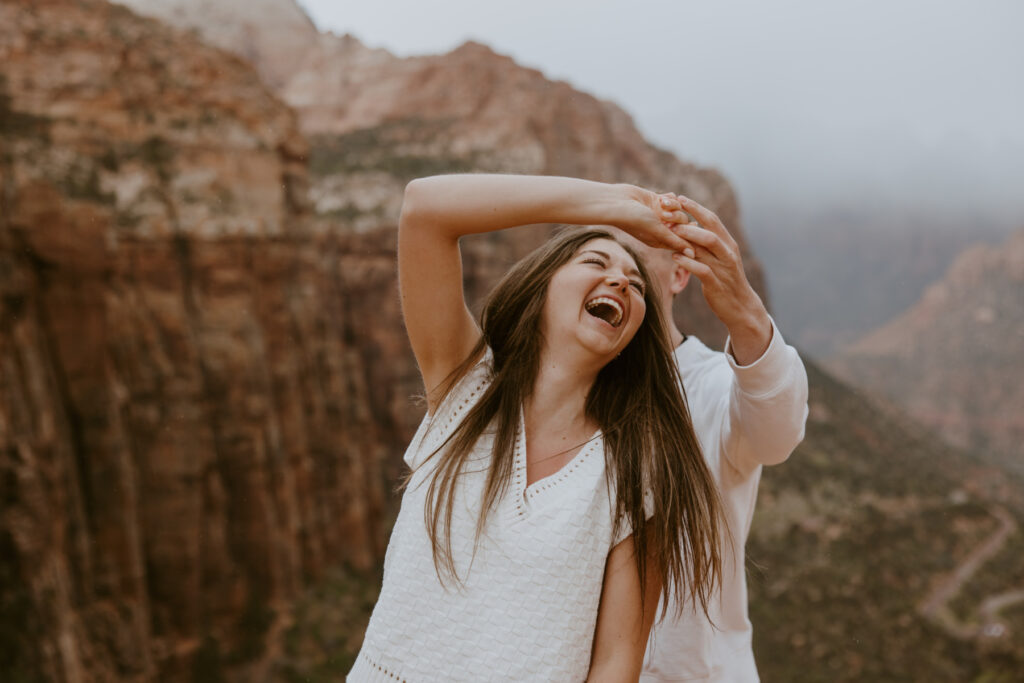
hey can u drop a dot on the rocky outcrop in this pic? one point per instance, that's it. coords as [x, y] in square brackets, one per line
[272, 35]
[375, 121]
[194, 414]
[833, 282]
[951, 360]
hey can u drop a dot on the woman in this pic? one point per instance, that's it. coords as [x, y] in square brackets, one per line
[556, 483]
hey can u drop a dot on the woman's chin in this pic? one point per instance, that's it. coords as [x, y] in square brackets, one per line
[591, 343]
[603, 348]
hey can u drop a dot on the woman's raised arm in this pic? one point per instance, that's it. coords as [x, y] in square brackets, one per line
[437, 211]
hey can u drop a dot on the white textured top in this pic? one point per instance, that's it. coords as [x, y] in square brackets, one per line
[744, 417]
[527, 607]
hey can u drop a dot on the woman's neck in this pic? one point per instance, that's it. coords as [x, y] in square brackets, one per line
[559, 395]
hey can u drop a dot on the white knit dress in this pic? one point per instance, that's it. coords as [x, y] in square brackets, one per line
[528, 602]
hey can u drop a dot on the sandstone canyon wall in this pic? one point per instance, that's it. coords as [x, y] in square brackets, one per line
[186, 426]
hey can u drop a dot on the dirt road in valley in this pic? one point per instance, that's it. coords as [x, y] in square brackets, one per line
[935, 605]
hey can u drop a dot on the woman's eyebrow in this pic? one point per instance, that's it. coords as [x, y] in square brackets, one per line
[607, 257]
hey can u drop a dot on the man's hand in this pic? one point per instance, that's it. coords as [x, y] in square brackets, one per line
[717, 263]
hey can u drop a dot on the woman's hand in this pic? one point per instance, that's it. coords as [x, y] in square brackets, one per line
[652, 219]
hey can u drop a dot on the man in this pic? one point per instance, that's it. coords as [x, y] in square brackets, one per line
[749, 406]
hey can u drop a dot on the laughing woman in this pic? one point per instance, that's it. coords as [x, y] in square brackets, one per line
[556, 483]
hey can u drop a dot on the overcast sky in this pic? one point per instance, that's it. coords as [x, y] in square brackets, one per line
[794, 101]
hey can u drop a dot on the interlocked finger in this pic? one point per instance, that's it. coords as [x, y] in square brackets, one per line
[674, 217]
[702, 237]
[702, 271]
[671, 210]
[707, 218]
[669, 201]
[704, 256]
[667, 238]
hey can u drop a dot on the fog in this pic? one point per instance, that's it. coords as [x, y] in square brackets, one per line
[883, 103]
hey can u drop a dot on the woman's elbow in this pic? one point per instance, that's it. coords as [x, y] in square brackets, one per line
[429, 206]
[413, 201]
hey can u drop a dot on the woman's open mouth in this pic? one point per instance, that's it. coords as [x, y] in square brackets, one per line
[608, 310]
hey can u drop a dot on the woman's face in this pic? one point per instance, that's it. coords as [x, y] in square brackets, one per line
[595, 300]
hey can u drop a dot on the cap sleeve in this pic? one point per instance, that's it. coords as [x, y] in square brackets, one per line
[626, 528]
[435, 428]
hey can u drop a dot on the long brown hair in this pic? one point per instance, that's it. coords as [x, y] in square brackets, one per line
[637, 402]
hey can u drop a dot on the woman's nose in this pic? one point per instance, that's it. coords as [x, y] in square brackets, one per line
[618, 281]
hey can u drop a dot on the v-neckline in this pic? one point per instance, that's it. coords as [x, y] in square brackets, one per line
[555, 477]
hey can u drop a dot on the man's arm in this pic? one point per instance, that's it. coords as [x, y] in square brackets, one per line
[767, 406]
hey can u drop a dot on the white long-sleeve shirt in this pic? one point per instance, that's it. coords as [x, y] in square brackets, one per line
[745, 417]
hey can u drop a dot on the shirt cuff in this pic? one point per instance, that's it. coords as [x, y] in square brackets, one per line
[768, 372]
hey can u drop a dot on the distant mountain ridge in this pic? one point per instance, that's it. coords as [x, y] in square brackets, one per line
[836, 274]
[954, 360]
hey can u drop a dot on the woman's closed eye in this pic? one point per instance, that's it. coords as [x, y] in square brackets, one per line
[638, 285]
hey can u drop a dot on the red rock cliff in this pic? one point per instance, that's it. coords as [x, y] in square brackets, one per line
[186, 424]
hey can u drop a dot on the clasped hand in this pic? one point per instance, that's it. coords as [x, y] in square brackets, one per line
[702, 245]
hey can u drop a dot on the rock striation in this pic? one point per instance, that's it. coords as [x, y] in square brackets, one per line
[953, 359]
[194, 413]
